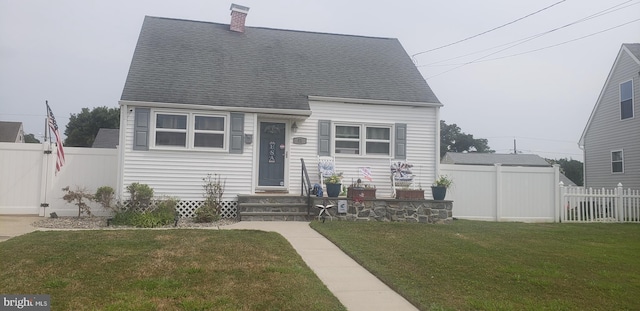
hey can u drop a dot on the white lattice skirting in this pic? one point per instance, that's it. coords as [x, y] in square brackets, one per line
[187, 208]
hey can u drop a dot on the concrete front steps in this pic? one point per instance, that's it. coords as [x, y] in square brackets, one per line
[273, 207]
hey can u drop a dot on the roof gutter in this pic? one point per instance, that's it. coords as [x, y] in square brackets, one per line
[373, 101]
[291, 112]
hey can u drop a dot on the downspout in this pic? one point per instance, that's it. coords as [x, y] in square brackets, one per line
[124, 112]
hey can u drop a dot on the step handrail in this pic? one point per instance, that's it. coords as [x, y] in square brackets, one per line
[306, 186]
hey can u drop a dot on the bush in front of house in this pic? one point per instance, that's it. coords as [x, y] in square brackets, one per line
[141, 213]
[213, 188]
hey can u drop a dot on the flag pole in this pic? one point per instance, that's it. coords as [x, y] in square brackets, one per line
[47, 153]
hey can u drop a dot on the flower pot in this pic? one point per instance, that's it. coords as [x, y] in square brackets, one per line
[333, 190]
[364, 193]
[409, 194]
[439, 193]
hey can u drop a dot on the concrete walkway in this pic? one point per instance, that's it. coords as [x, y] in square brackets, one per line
[354, 286]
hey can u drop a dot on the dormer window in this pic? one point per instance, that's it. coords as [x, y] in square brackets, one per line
[626, 100]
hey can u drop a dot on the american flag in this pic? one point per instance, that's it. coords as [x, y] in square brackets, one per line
[53, 125]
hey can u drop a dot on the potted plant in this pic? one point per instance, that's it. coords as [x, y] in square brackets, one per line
[439, 188]
[361, 190]
[334, 185]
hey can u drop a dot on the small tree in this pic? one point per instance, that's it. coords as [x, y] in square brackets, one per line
[213, 191]
[78, 196]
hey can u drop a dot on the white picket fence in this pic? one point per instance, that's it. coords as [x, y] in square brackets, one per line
[599, 205]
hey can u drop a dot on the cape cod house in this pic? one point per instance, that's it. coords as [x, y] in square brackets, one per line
[248, 103]
[611, 138]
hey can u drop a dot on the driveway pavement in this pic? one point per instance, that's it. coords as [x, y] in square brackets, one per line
[11, 226]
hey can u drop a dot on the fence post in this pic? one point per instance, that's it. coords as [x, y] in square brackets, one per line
[619, 203]
[498, 167]
[560, 211]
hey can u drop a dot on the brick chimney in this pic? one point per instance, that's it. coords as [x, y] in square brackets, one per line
[238, 15]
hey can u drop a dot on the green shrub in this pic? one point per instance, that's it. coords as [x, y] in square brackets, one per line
[163, 214]
[140, 196]
[207, 213]
[104, 195]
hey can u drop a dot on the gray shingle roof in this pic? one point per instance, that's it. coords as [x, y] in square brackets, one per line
[9, 131]
[106, 138]
[634, 48]
[494, 158]
[203, 63]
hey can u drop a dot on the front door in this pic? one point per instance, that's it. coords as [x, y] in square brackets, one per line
[272, 154]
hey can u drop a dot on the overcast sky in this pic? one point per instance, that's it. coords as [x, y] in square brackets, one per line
[76, 53]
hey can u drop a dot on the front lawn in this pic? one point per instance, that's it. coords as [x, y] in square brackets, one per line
[162, 270]
[469, 265]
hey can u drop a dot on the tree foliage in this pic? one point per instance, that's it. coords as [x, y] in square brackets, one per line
[571, 168]
[453, 139]
[83, 127]
[30, 138]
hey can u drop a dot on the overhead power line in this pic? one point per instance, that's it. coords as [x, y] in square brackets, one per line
[490, 30]
[482, 59]
[521, 41]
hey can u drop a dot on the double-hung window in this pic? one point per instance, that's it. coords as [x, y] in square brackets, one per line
[362, 139]
[209, 132]
[347, 139]
[171, 130]
[189, 130]
[626, 100]
[617, 161]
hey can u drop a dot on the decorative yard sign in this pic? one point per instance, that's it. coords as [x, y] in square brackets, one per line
[342, 206]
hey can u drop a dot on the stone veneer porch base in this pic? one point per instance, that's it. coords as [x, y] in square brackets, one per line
[422, 211]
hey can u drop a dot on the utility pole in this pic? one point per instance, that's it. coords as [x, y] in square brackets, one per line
[515, 151]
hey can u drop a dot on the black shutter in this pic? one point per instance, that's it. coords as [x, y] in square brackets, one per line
[324, 137]
[141, 129]
[237, 133]
[401, 141]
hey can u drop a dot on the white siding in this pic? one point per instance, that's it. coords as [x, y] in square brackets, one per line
[179, 173]
[606, 132]
[421, 143]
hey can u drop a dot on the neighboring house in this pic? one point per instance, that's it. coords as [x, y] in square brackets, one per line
[11, 132]
[611, 138]
[249, 103]
[525, 160]
[106, 138]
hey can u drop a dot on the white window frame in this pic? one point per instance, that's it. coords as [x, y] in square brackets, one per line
[190, 131]
[224, 132]
[633, 114]
[362, 140]
[169, 130]
[621, 161]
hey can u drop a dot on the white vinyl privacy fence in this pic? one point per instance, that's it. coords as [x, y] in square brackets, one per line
[29, 184]
[503, 193]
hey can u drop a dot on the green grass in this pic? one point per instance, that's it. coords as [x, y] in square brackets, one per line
[471, 265]
[162, 270]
